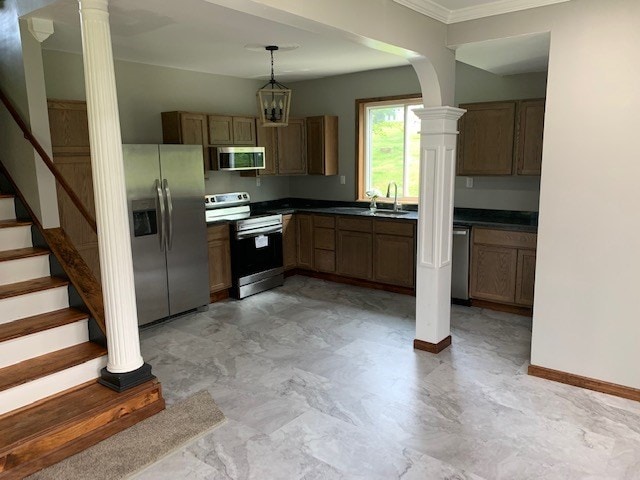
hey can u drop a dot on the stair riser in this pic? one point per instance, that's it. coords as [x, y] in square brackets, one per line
[7, 209]
[41, 343]
[31, 392]
[21, 269]
[15, 237]
[21, 306]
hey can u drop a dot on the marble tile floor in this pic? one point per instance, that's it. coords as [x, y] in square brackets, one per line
[320, 381]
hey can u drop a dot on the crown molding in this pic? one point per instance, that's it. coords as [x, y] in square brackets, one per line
[497, 7]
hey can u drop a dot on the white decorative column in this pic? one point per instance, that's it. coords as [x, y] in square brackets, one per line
[125, 367]
[438, 137]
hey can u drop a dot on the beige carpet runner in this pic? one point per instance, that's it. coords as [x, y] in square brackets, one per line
[141, 445]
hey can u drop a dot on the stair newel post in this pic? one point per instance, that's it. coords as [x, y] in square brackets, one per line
[438, 138]
[125, 367]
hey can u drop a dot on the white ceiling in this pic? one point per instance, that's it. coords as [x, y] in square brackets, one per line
[200, 36]
[454, 11]
[508, 56]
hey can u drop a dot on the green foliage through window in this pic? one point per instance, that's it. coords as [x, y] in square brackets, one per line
[393, 148]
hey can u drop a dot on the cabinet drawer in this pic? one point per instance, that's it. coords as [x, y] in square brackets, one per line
[218, 232]
[404, 229]
[324, 238]
[504, 238]
[324, 221]
[325, 260]
[355, 224]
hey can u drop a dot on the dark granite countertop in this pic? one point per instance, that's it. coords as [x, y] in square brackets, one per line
[471, 217]
[503, 219]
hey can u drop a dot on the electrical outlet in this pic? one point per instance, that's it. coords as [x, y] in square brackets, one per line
[343, 180]
[258, 182]
[469, 182]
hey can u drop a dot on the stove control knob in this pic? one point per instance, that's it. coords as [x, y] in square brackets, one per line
[206, 200]
[244, 196]
[239, 197]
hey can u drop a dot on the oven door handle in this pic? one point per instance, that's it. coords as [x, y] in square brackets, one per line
[257, 233]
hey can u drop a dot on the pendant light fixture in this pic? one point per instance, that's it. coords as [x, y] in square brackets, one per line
[274, 100]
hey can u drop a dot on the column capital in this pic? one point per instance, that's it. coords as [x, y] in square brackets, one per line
[439, 120]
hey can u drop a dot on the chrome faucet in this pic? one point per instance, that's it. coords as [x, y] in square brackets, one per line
[396, 207]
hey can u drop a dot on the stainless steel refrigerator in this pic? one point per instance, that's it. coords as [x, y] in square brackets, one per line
[165, 195]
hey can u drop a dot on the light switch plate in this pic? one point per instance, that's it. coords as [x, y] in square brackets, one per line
[258, 182]
[469, 182]
[343, 179]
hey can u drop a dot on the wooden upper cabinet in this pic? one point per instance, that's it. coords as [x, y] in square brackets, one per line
[322, 145]
[530, 133]
[187, 129]
[244, 130]
[486, 140]
[292, 152]
[220, 130]
[228, 130]
[267, 137]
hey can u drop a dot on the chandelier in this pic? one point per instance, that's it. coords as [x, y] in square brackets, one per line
[274, 100]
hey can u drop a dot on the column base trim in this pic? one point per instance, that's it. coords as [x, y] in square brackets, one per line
[124, 381]
[585, 382]
[432, 347]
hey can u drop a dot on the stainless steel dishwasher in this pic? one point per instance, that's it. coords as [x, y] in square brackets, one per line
[460, 265]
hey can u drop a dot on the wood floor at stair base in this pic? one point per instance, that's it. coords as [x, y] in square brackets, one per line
[70, 439]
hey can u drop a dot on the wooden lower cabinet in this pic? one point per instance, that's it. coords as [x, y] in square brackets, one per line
[304, 241]
[493, 273]
[503, 266]
[219, 257]
[355, 254]
[289, 247]
[526, 277]
[394, 260]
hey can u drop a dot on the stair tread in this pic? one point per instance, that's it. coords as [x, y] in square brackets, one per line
[31, 286]
[60, 410]
[39, 323]
[44, 365]
[22, 253]
[15, 223]
[7, 195]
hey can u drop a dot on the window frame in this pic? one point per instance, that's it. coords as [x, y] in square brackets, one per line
[361, 139]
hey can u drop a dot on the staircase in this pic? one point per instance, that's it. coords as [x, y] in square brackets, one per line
[51, 405]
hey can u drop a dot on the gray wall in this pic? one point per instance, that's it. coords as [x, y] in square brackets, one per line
[500, 193]
[337, 95]
[146, 90]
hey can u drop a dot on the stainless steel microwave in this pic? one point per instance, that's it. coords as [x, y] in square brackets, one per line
[241, 158]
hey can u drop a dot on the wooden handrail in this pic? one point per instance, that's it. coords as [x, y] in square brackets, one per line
[48, 162]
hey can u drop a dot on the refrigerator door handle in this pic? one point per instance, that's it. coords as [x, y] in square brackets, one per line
[161, 222]
[169, 213]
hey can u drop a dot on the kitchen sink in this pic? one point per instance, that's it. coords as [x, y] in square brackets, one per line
[390, 213]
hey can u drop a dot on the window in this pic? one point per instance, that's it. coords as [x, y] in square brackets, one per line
[389, 146]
